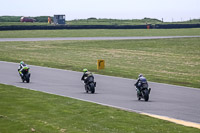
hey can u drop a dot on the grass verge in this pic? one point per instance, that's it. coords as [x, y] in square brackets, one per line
[25, 111]
[172, 61]
[99, 32]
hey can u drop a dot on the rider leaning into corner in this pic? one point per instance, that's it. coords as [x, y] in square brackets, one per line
[20, 68]
[141, 79]
[87, 76]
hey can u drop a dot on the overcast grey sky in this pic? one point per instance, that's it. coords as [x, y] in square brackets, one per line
[116, 9]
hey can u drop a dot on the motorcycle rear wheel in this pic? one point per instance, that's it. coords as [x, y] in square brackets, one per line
[27, 80]
[146, 95]
[92, 88]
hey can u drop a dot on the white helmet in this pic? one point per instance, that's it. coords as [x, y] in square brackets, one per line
[140, 75]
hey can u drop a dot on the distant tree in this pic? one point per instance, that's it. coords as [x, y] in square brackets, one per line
[10, 18]
[92, 18]
[42, 18]
[17, 18]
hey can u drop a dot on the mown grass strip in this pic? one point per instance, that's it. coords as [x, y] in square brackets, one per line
[99, 33]
[25, 111]
[172, 61]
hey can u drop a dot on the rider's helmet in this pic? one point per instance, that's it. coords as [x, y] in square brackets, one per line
[85, 70]
[21, 62]
[140, 75]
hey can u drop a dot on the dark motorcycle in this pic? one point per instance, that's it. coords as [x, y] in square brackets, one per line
[26, 75]
[90, 85]
[143, 92]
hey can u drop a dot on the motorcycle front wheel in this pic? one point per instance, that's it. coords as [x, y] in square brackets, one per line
[86, 88]
[138, 96]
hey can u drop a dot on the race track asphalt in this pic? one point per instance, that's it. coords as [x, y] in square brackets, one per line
[90, 38]
[166, 100]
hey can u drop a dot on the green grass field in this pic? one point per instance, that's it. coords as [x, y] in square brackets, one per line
[99, 33]
[26, 111]
[172, 61]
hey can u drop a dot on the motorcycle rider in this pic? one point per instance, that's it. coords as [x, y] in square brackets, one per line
[87, 76]
[21, 67]
[141, 81]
